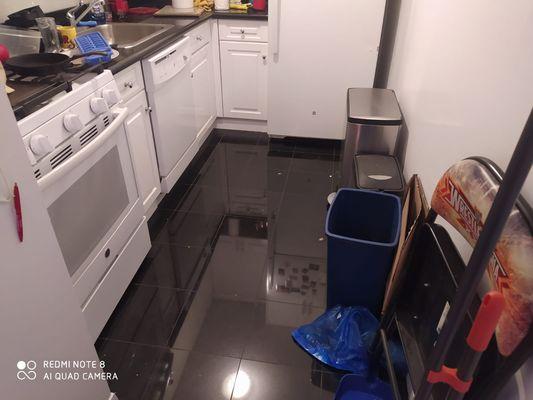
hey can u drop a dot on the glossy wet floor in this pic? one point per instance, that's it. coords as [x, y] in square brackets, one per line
[238, 262]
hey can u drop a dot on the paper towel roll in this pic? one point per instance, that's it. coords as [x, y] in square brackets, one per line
[183, 3]
[221, 4]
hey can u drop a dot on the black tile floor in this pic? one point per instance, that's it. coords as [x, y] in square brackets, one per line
[238, 261]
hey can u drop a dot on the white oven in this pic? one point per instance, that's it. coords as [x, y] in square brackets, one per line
[89, 188]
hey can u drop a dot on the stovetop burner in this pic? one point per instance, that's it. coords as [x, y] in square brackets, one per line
[34, 92]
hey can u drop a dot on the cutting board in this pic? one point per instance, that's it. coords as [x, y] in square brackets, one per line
[169, 11]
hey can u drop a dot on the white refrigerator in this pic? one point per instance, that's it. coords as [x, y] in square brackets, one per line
[318, 49]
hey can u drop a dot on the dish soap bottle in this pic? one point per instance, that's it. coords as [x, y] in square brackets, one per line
[99, 14]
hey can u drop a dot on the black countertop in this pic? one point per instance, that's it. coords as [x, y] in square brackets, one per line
[250, 14]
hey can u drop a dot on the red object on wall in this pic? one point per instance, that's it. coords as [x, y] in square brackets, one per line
[259, 5]
[18, 212]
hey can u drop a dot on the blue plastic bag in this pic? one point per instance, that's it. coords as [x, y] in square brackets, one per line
[340, 338]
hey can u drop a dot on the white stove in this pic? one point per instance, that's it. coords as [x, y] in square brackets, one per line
[78, 148]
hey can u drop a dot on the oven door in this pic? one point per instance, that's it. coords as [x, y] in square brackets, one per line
[93, 204]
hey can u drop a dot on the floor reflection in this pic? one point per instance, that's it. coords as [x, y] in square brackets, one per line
[238, 262]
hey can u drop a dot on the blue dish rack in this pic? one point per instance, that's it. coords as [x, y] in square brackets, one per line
[94, 41]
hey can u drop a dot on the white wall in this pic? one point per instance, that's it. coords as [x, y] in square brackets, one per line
[9, 6]
[463, 74]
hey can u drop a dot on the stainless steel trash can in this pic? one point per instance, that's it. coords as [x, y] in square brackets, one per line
[374, 121]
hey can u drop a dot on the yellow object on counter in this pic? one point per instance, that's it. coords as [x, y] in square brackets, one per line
[67, 34]
[207, 5]
[239, 6]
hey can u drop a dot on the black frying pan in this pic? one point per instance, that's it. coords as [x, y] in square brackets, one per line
[43, 63]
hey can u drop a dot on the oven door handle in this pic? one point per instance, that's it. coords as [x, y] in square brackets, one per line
[83, 154]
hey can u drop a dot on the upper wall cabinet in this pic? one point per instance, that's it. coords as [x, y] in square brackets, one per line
[244, 68]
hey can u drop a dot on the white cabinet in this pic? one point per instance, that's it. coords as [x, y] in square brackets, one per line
[141, 143]
[244, 79]
[202, 76]
[247, 179]
[130, 81]
[243, 30]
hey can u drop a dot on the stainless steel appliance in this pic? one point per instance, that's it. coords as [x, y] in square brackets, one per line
[374, 121]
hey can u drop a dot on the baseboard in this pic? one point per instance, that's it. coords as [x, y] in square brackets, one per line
[241, 124]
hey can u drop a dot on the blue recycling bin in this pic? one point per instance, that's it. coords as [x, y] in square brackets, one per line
[362, 228]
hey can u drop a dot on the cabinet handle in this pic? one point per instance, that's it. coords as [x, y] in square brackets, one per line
[18, 211]
[148, 109]
[199, 38]
[242, 31]
[264, 58]
[128, 85]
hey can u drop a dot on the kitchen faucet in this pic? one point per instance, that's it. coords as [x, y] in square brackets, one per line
[71, 14]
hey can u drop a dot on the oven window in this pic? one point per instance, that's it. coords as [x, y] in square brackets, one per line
[85, 213]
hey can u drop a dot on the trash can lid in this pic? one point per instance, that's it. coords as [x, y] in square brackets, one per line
[372, 106]
[378, 172]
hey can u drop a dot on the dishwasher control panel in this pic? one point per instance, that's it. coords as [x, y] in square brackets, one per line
[168, 62]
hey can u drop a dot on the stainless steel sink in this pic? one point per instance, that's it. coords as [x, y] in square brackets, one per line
[127, 37]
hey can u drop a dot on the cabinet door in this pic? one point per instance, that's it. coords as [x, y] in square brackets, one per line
[203, 78]
[141, 142]
[244, 79]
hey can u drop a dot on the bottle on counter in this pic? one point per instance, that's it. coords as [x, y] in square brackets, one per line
[182, 3]
[99, 14]
[120, 8]
[108, 13]
[260, 5]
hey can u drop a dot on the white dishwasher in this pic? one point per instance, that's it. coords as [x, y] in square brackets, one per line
[170, 95]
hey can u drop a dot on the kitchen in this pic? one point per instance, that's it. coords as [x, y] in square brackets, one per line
[217, 139]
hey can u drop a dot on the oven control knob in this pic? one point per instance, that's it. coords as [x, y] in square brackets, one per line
[72, 122]
[40, 145]
[99, 105]
[111, 96]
